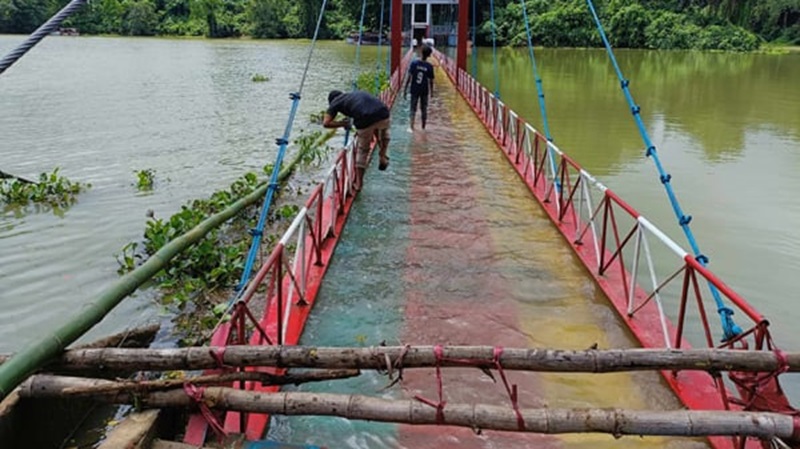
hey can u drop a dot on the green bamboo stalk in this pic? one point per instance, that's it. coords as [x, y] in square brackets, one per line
[35, 355]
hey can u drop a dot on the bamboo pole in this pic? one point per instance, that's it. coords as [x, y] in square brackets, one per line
[476, 416]
[389, 357]
[36, 354]
[130, 338]
[48, 386]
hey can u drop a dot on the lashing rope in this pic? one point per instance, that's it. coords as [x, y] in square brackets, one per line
[510, 389]
[196, 394]
[438, 352]
[283, 143]
[729, 328]
[39, 34]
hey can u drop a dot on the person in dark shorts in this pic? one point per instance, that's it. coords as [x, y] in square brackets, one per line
[370, 117]
[420, 78]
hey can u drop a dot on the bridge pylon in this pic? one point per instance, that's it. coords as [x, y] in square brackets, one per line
[421, 24]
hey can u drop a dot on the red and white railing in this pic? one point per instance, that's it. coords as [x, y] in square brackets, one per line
[286, 285]
[651, 280]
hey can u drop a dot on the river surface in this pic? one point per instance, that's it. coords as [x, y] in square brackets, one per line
[727, 127]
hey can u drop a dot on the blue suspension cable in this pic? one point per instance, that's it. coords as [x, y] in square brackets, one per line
[536, 77]
[282, 143]
[358, 61]
[494, 52]
[540, 94]
[378, 58]
[356, 66]
[729, 328]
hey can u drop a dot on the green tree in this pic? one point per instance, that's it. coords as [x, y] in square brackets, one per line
[140, 18]
[265, 18]
[22, 16]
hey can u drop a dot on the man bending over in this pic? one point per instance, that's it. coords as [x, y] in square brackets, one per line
[370, 117]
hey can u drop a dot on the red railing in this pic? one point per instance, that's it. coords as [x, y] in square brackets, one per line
[286, 285]
[650, 287]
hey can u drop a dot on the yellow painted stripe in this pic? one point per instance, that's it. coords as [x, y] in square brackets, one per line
[559, 304]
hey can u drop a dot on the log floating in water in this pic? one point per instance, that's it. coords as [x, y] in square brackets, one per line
[612, 421]
[549, 360]
[41, 385]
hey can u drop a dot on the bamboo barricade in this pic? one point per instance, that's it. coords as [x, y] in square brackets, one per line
[35, 355]
[48, 386]
[396, 357]
[486, 417]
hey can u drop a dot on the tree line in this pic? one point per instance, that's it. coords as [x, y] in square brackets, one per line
[738, 25]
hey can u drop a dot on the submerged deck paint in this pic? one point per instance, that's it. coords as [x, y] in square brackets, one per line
[448, 247]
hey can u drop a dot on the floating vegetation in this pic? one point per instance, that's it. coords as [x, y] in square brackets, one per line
[196, 282]
[316, 118]
[313, 149]
[259, 78]
[145, 179]
[51, 190]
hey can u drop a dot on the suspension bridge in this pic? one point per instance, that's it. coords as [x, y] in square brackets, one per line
[458, 244]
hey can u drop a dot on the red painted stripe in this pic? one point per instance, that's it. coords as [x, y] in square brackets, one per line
[695, 389]
[453, 297]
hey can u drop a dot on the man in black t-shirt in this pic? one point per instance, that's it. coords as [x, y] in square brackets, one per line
[420, 77]
[370, 117]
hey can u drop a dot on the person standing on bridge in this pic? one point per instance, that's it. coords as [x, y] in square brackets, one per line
[420, 78]
[370, 117]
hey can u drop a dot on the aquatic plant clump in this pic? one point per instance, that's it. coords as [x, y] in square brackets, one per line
[52, 190]
[366, 81]
[145, 179]
[197, 281]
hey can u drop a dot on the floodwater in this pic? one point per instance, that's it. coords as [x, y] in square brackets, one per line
[101, 109]
[727, 128]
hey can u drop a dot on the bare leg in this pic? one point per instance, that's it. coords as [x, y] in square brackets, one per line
[359, 179]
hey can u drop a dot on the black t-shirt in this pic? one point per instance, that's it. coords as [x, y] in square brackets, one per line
[365, 109]
[421, 73]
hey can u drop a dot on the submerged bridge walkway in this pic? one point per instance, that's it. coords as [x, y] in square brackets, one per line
[481, 232]
[455, 244]
[448, 247]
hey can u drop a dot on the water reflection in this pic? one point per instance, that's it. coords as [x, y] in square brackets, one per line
[714, 99]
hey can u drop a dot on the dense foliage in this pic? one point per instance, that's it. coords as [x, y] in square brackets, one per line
[695, 24]
[202, 275]
[737, 25]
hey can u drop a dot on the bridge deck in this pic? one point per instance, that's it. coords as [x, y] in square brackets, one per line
[448, 247]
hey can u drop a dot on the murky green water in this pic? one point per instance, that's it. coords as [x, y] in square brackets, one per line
[727, 128]
[101, 108]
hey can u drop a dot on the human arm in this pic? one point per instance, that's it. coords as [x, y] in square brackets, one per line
[329, 122]
[430, 82]
[405, 87]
